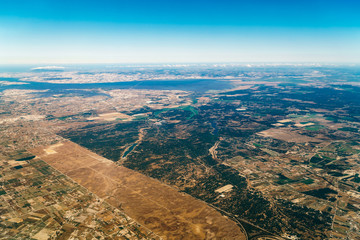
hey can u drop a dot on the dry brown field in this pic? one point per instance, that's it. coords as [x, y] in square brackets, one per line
[162, 209]
[111, 117]
[287, 135]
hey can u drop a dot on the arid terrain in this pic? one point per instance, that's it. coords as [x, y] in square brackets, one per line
[158, 207]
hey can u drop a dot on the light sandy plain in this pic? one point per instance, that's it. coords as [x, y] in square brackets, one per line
[165, 211]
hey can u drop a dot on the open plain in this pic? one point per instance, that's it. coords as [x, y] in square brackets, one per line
[160, 208]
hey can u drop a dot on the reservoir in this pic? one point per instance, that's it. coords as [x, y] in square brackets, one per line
[200, 86]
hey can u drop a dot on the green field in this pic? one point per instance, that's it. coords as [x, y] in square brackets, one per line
[189, 108]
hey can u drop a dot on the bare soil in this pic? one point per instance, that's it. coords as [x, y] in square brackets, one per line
[162, 209]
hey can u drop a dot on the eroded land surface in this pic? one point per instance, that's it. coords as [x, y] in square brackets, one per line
[278, 154]
[158, 207]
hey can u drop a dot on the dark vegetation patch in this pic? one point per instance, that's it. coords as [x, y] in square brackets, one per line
[349, 129]
[2, 192]
[26, 158]
[323, 193]
[284, 180]
[336, 174]
[108, 140]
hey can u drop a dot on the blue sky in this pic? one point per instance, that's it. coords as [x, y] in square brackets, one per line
[138, 31]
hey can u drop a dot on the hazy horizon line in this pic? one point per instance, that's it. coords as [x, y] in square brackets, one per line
[177, 63]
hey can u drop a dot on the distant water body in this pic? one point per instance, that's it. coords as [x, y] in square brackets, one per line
[15, 68]
[202, 85]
